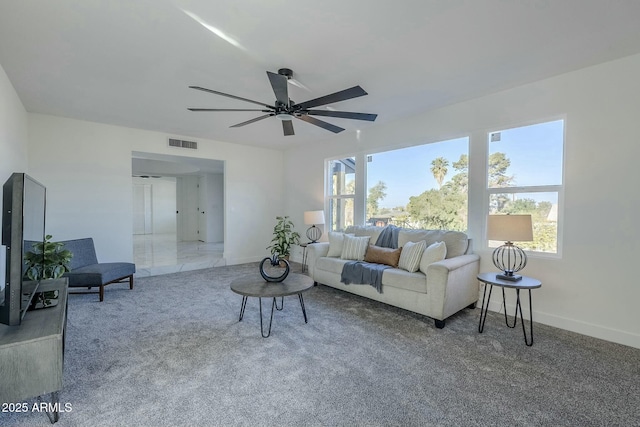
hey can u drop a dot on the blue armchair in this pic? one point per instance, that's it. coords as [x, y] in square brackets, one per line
[87, 272]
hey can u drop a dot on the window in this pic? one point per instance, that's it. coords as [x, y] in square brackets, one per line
[424, 186]
[524, 176]
[341, 189]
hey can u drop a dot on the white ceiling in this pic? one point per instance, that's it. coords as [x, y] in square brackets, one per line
[130, 63]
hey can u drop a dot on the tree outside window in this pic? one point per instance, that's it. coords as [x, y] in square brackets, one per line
[423, 186]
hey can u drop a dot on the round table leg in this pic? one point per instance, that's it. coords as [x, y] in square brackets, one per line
[483, 308]
[304, 312]
[273, 305]
[243, 304]
[528, 342]
[281, 304]
[504, 305]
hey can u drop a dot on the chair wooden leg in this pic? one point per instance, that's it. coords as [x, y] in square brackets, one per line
[101, 293]
[131, 282]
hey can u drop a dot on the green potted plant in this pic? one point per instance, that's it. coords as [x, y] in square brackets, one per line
[47, 260]
[283, 237]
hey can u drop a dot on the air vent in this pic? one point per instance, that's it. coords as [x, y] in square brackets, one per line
[183, 144]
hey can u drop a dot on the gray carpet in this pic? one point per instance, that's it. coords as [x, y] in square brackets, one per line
[172, 353]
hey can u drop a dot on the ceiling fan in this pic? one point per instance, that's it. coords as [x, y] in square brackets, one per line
[286, 110]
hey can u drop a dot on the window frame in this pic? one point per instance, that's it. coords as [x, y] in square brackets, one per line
[520, 189]
[328, 197]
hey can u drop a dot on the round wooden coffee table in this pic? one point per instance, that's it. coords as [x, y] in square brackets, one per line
[256, 286]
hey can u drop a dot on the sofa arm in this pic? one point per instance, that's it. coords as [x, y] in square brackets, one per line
[315, 251]
[453, 284]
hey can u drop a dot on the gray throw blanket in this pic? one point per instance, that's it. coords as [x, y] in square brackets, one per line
[388, 238]
[360, 272]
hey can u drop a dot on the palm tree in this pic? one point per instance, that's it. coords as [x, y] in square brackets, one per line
[439, 169]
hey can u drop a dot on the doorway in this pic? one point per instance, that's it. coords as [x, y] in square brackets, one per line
[178, 213]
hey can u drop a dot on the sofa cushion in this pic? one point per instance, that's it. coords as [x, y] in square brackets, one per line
[365, 230]
[402, 279]
[457, 242]
[100, 274]
[336, 242]
[332, 265]
[380, 255]
[411, 255]
[434, 253]
[83, 250]
[354, 247]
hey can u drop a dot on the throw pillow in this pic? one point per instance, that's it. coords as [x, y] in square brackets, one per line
[336, 242]
[354, 248]
[411, 255]
[435, 252]
[380, 255]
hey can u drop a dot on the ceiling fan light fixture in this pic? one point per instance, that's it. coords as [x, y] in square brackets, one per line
[284, 116]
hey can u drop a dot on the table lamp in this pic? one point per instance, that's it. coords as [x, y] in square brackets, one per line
[313, 218]
[509, 228]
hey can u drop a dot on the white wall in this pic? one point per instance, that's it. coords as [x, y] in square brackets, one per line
[13, 131]
[87, 169]
[593, 288]
[13, 145]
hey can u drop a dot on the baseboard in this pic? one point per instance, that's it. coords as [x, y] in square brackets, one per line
[585, 328]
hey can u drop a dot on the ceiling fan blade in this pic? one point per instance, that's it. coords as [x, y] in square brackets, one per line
[223, 109]
[322, 124]
[343, 114]
[343, 95]
[232, 96]
[279, 85]
[251, 121]
[287, 127]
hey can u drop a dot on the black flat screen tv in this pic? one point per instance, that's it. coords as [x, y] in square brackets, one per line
[23, 224]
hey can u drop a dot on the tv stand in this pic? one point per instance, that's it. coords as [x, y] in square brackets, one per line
[32, 354]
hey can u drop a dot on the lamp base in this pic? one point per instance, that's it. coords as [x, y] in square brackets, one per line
[314, 233]
[512, 278]
[509, 259]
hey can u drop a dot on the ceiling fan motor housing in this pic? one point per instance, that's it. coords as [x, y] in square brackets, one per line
[287, 72]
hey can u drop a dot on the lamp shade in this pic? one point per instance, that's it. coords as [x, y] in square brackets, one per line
[510, 228]
[314, 217]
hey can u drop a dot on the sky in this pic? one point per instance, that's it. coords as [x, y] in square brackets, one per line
[535, 152]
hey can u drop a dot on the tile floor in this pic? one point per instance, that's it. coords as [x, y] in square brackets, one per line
[161, 254]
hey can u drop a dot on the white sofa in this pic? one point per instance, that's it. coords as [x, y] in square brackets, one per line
[447, 287]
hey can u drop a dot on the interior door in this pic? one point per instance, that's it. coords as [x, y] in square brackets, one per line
[188, 211]
[142, 212]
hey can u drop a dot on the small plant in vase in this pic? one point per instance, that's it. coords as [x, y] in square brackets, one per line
[283, 238]
[47, 260]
